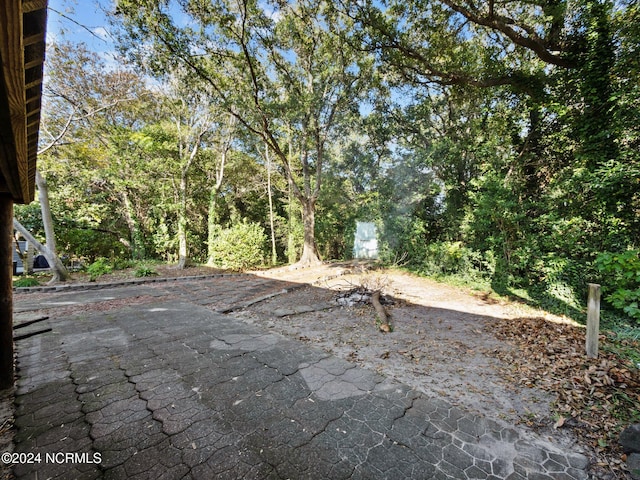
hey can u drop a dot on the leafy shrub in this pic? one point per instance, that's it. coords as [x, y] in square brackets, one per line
[101, 266]
[240, 246]
[122, 263]
[558, 280]
[621, 280]
[26, 282]
[145, 271]
[626, 300]
[453, 258]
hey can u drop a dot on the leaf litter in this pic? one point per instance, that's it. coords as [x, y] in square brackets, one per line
[482, 354]
[595, 398]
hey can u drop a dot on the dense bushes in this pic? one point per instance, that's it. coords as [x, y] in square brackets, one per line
[546, 260]
[241, 246]
[89, 244]
[453, 258]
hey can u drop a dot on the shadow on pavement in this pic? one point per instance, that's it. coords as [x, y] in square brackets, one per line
[161, 380]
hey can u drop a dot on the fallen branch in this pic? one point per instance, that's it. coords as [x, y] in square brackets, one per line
[383, 317]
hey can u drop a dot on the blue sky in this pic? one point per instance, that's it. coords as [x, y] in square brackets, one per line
[81, 21]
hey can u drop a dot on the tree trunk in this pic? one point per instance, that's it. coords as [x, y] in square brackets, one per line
[29, 259]
[137, 243]
[274, 253]
[47, 221]
[26, 257]
[213, 218]
[6, 292]
[291, 250]
[212, 224]
[310, 254]
[60, 273]
[183, 257]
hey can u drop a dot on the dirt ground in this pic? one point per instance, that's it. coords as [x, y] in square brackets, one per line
[476, 351]
[441, 343]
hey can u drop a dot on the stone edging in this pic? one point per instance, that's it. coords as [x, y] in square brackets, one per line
[97, 286]
[143, 280]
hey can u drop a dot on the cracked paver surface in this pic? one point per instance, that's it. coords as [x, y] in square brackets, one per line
[171, 387]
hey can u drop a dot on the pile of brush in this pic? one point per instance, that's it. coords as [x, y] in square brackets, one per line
[362, 296]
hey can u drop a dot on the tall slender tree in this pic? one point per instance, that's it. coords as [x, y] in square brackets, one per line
[225, 134]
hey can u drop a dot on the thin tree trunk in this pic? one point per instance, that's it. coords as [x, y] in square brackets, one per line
[213, 216]
[60, 273]
[29, 259]
[274, 252]
[45, 207]
[291, 253]
[183, 253]
[212, 224]
[137, 244]
[186, 158]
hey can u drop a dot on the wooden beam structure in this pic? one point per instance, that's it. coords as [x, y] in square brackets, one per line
[22, 50]
[6, 292]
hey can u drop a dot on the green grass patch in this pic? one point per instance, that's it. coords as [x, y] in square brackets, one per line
[24, 281]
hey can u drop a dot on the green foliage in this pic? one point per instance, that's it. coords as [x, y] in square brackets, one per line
[31, 218]
[120, 263]
[101, 266]
[621, 280]
[627, 300]
[26, 282]
[403, 240]
[293, 233]
[145, 271]
[88, 243]
[241, 246]
[453, 258]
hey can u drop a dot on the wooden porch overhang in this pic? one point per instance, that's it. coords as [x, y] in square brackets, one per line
[23, 26]
[22, 50]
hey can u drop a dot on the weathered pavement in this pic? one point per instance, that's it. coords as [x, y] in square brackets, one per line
[168, 386]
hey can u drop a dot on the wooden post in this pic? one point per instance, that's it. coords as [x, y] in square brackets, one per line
[6, 291]
[593, 320]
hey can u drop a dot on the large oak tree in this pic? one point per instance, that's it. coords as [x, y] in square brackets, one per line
[284, 70]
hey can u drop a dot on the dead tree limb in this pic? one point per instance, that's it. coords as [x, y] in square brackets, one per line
[383, 317]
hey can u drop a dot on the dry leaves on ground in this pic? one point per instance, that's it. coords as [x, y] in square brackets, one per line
[595, 397]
